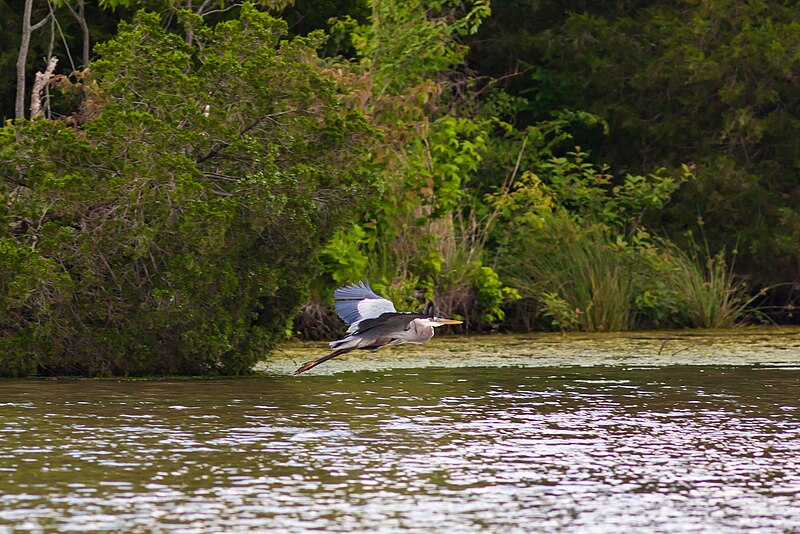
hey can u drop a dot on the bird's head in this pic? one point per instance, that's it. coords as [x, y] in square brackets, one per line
[432, 320]
[436, 321]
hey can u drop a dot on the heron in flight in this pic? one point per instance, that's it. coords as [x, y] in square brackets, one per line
[374, 323]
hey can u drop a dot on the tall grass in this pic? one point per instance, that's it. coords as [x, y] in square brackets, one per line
[708, 293]
[580, 279]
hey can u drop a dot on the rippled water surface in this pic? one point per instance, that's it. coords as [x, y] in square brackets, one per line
[506, 449]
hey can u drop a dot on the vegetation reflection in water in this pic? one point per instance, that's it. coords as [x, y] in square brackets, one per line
[675, 448]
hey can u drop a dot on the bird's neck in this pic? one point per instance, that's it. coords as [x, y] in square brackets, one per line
[423, 330]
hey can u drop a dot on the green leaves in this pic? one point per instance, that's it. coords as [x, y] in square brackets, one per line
[411, 42]
[343, 256]
[420, 237]
[173, 231]
[712, 83]
[586, 193]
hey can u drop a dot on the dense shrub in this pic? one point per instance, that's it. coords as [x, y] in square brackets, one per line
[576, 249]
[713, 83]
[172, 225]
[423, 240]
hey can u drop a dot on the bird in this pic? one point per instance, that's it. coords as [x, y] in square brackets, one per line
[374, 323]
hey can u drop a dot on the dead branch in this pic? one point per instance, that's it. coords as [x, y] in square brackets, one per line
[41, 81]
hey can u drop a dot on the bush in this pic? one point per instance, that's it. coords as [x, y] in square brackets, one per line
[171, 228]
[575, 246]
[583, 280]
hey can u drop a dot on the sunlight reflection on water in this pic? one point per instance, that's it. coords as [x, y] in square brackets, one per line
[600, 449]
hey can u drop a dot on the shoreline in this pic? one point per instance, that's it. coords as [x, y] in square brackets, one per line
[762, 346]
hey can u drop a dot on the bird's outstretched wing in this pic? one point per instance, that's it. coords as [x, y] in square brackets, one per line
[356, 302]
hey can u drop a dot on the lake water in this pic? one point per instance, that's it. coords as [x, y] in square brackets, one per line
[581, 446]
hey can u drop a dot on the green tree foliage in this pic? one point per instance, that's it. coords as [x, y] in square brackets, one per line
[464, 201]
[172, 222]
[422, 236]
[711, 83]
[173, 228]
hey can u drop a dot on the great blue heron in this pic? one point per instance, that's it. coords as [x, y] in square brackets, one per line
[374, 323]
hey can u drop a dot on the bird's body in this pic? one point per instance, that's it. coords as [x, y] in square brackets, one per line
[374, 323]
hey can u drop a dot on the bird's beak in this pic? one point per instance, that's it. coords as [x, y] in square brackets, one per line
[448, 321]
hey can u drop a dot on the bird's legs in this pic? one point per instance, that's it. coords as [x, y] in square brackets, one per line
[313, 363]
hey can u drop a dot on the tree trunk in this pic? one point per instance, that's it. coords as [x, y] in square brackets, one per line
[85, 28]
[19, 107]
[22, 58]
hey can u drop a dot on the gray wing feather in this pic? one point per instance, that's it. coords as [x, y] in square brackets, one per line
[356, 302]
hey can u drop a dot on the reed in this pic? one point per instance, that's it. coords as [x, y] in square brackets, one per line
[581, 280]
[708, 293]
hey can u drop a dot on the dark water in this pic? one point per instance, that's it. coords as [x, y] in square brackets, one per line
[603, 449]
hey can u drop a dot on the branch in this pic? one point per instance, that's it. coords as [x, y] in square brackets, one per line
[202, 7]
[220, 176]
[232, 6]
[42, 79]
[72, 11]
[81, 18]
[40, 23]
[218, 146]
[213, 152]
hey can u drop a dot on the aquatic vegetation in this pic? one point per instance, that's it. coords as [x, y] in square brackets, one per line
[708, 293]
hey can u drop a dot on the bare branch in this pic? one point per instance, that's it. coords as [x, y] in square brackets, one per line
[202, 7]
[221, 10]
[63, 37]
[42, 79]
[41, 22]
[80, 16]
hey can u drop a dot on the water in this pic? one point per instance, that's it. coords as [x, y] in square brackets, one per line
[710, 448]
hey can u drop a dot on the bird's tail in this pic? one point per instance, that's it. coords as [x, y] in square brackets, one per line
[313, 363]
[346, 343]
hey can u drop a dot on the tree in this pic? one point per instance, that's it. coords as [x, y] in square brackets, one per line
[172, 226]
[709, 83]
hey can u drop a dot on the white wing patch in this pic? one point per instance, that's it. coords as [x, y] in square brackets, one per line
[356, 302]
[372, 308]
